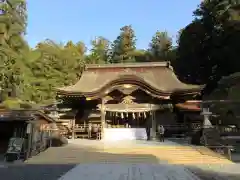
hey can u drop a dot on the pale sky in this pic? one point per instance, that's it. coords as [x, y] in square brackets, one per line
[80, 20]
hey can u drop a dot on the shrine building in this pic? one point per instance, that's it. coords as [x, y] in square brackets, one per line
[128, 101]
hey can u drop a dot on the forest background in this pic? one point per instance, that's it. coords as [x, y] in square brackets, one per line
[206, 50]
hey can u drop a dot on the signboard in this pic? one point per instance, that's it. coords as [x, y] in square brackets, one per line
[15, 145]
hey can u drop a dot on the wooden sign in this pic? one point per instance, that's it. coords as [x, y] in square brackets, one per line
[15, 145]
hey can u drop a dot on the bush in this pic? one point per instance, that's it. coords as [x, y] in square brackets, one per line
[16, 104]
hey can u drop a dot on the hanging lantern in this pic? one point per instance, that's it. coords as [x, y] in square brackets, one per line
[127, 115]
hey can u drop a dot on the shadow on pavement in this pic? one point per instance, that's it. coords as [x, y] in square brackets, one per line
[216, 173]
[54, 162]
[35, 171]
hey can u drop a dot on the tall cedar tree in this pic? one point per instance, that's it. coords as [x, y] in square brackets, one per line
[160, 46]
[124, 46]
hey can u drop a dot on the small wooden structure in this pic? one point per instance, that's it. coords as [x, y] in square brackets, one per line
[24, 133]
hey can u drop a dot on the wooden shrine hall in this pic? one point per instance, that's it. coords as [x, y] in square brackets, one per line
[125, 101]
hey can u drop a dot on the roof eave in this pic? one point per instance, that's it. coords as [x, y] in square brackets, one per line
[46, 117]
[128, 65]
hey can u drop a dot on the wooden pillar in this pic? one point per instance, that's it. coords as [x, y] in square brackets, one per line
[29, 136]
[103, 114]
[73, 127]
[154, 126]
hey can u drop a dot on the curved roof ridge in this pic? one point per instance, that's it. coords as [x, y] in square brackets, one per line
[129, 65]
[157, 76]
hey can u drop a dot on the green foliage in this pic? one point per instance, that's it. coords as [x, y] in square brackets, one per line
[99, 52]
[56, 66]
[160, 46]
[227, 88]
[11, 104]
[12, 46]
[124, 46]
[208, 47]
[207, 50]
[14, 103]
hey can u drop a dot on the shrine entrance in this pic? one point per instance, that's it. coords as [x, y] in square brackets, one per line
[131, 98]
[129, 120]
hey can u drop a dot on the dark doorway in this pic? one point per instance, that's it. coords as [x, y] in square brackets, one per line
[9, 129]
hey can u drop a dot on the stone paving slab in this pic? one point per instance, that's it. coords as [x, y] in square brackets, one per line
[128, 172]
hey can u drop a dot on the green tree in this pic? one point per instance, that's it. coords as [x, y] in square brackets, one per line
[209, 44]
[100, 51]
[12, 45]
[124, 46]
[58, 65]
[142, 55]
[160, 46]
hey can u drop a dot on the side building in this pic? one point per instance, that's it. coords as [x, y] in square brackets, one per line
[24, 133]
[111, 99]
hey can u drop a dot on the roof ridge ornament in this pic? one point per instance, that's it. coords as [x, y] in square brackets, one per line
[128, 100]
[127, 71]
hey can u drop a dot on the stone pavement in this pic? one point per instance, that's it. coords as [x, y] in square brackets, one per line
[167, 152]
[128, 172]
[92, 160]
[161, 170]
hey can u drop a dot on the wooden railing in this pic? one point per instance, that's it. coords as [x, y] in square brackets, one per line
[229, 131]
[116, 126]
[86, 131]
[86, 126]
